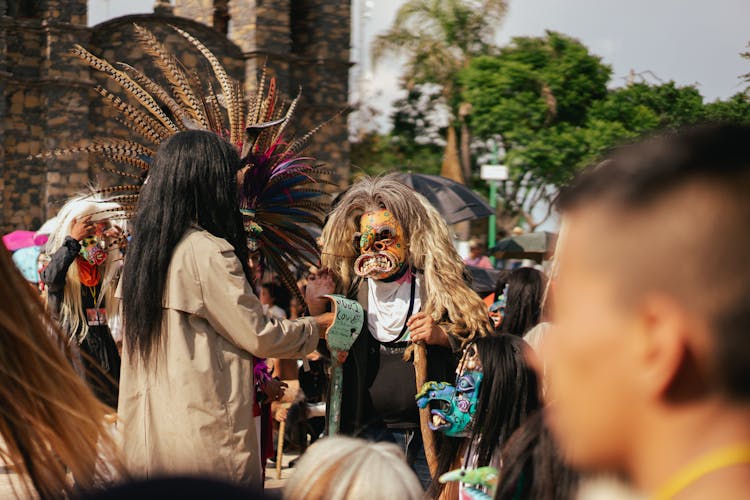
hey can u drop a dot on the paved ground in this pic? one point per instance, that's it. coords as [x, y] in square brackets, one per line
[274, 486]
[10, 488]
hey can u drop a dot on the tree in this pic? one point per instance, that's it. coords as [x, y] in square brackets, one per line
[439, 38]
[547, 98]
[641, 107]
[536, 94]
[746, 77]
[377, 154]
[736, 109]
[415, 142]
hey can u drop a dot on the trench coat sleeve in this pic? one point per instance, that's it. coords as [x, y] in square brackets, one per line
[233, 310]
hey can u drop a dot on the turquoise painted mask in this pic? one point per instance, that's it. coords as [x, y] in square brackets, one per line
[452, 408]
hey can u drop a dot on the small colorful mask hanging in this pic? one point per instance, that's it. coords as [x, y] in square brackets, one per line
[457, 404]
[479, 484]
[92, 251]
[497, 309]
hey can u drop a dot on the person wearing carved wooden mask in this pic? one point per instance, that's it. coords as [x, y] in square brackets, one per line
[392, 252]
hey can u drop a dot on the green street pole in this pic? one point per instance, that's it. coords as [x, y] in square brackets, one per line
[491, 233]
[492, 230]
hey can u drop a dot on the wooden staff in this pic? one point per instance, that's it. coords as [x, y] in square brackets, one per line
[428, 438]
[280, 450]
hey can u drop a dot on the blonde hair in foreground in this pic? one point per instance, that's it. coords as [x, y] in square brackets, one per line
[429, 245]
[50, 422]
[344, 468]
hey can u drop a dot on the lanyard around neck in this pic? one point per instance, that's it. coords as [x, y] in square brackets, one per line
[713, 461]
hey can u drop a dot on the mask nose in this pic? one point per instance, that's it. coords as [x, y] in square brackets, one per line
[366, 242]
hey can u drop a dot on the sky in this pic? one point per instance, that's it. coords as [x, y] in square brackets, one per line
[688, 41]
[693, 42]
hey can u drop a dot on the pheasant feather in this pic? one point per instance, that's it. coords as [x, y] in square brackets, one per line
[170, 68]
[280, 191]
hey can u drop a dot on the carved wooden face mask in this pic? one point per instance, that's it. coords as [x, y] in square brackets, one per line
[381, 245]
[453, 408]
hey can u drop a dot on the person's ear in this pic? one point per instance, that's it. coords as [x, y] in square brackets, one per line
[664, 333]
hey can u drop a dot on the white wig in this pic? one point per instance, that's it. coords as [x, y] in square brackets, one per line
[72, 315]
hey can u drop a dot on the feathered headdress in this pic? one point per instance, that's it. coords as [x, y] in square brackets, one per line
[280, 190]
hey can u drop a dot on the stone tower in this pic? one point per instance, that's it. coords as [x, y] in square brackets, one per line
[305, 44]
[48, 100]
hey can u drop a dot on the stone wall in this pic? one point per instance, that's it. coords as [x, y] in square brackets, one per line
[113, 41]
[46, 106]
[48, 99]
[320, 54]
[304, 44]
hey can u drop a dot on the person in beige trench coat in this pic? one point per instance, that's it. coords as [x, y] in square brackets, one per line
[186, 407]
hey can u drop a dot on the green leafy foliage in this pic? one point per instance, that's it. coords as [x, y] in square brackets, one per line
[438, 37]
[548, 99]
[377, 154]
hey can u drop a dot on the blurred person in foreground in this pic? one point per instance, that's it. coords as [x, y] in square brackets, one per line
[344, 468]
[649, 366]
[193, 323]
[54, 433]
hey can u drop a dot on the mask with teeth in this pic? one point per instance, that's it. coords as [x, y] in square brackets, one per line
[453, 407]
[380, 243]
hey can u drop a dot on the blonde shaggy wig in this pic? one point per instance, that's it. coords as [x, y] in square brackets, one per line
[72, 316]
[429, 249]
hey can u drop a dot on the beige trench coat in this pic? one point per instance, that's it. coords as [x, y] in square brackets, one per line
[189, 410]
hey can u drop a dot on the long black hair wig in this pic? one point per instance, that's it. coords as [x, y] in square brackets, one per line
[523, 306]
[193, 180]
[508, 394]
[533, 465]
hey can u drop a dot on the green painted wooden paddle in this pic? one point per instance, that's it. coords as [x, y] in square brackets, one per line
[349, 318]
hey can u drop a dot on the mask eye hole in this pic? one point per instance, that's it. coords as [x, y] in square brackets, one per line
[383, 238]
[385, 233]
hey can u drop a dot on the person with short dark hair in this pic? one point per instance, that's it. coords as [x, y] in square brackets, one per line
[649, 364]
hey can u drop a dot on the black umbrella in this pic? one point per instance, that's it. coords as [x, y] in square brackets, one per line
[536, 246]
[454, 201]
[483, 280]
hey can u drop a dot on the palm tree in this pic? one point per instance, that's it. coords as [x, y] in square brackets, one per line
[439, 38]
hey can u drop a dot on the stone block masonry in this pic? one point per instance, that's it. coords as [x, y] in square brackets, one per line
[48, 99]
